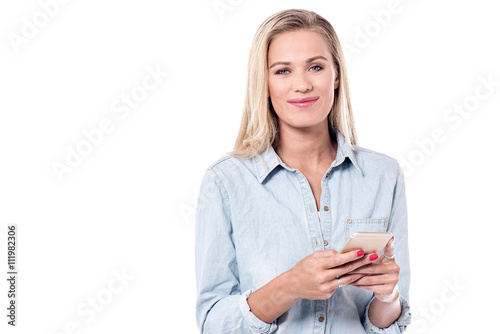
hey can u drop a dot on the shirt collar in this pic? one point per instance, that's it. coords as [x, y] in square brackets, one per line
[268, 160]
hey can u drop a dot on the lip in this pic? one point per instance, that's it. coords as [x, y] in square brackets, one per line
[303, 102]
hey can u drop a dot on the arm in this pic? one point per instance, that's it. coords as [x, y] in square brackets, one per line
[398, 225]
[219, 297]
[386, 305]
[388, 311]
[314, 277]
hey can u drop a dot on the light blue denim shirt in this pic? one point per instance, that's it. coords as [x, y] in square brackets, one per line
[256, 218]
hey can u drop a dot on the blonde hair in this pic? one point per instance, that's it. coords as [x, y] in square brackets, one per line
[259, 122]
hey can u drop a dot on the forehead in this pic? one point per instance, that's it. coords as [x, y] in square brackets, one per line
[297, 45]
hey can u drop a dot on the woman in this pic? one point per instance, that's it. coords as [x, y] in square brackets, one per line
[273, 212]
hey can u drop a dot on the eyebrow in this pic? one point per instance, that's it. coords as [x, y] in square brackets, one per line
[307, 61]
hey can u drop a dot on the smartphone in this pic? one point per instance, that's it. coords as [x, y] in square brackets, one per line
[370, 242]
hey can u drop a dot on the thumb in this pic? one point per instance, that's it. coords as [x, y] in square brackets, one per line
[389, 248]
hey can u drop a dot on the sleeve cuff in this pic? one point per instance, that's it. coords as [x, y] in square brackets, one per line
[256, 325]
[399, 326]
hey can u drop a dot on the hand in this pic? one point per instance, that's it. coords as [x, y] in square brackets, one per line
[317, 275]
[382, 276]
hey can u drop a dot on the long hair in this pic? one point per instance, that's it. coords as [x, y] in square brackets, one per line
[259, 122]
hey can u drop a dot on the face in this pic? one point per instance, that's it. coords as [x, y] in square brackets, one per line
[302, 79]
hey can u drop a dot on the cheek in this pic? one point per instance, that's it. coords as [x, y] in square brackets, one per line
[328, 88]
[277, 89]
[328, 84]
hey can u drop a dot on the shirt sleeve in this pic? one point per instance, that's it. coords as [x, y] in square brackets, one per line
[220, 305]
[399, 326]
[398, 226]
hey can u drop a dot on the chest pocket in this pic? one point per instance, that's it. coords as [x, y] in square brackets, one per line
[365, 225]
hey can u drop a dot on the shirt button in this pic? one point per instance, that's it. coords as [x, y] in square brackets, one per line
[321, 319]
[326, 208]
[327, 174]
[325, 242]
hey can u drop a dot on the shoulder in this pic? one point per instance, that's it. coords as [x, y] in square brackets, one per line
[227, 167]
[227, 161]
[376, 163]
[220, 161]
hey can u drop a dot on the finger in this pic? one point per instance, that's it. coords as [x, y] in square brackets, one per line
[378, 268]
[380, 288]
[346, 280]
[334, 259]
[383, 292]
[381, 279]
[324, 253]
[389, 249]
[353, 265]
[369, 269]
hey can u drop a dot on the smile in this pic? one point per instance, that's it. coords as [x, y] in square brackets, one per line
[303, 103]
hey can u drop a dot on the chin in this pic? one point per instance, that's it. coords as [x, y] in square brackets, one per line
[305, 125]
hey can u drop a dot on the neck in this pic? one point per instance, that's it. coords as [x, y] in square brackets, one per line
[307, 149]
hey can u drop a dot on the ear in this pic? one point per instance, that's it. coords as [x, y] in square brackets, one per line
[336, 84]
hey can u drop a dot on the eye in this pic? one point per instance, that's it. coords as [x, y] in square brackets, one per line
[318, 68]
[281, 71]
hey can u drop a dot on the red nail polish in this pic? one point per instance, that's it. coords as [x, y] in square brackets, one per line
[361, 252]
[373, 257]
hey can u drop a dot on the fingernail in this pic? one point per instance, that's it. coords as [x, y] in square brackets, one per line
[361, 252]
[373, 257]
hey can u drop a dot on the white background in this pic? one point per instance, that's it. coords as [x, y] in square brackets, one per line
[129, 204]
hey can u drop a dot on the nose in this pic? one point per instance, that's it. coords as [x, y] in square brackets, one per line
[301, 82]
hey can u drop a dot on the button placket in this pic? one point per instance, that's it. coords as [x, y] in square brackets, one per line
[325, 202]
[313, 221]
[319, 229]
[321, 307]
[320, 317]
